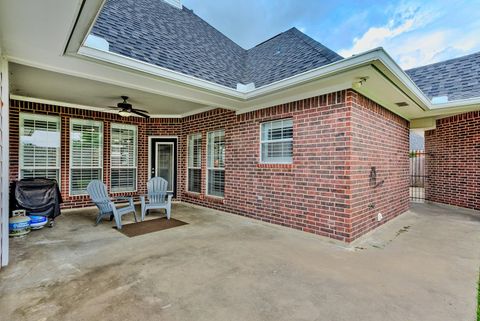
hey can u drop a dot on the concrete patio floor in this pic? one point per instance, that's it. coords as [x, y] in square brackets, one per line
[422, 266]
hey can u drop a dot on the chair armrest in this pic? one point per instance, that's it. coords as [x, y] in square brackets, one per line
[125, 198]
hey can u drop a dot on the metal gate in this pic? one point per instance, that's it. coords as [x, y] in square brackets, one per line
[418, 176]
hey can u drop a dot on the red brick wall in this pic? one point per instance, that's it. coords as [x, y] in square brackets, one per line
[156, 127]
[325, 191]
[309, 194]
[380, 139]
[453, 161]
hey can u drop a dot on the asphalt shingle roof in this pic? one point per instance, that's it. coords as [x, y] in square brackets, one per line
[155, 32]
[158, 33]
[457, 78]
[285, 55]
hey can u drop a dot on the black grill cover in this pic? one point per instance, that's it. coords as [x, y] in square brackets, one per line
[38, 196]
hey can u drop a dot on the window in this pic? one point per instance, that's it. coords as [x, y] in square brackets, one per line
[123, 158]
[216, 163]
[276, 142]
[194, 163]
[39, 146]
[86, 154]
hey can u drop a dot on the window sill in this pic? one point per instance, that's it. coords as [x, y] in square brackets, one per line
[193, 195]
[215, 199]
[267, 165]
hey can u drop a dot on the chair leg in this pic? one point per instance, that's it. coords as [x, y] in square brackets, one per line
[142, 208]
[118, 219]
[135, 216]
[99, 218]
[168, 210]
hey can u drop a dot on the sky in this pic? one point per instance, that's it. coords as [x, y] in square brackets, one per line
[414, 33]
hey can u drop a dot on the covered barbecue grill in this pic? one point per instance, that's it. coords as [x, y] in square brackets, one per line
[38, 196]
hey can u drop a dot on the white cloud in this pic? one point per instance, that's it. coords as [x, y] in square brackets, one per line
[404, 20]
[413, 39]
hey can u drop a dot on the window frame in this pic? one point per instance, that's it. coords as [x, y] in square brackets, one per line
[214, 168]
[21, 152]
[84, 121]
[188, 161]
[275, 141]
[135, 167]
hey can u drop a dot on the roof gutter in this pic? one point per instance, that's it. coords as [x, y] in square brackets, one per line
[378, 57]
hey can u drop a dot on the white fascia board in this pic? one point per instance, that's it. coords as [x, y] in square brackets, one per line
[152, 69]
[356, 61]
[401, 75]
[320, 72]
[368, 57]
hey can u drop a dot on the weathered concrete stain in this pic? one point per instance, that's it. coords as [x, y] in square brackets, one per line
[225, 267]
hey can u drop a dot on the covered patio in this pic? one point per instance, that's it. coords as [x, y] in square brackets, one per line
[421, 266]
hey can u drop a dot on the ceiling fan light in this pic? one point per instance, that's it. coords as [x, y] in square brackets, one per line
[124, 113]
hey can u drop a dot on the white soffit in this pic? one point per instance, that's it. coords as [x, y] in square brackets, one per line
[28, 83]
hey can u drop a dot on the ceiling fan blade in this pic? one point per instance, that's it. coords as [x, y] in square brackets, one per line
[113, 107]
[140, 110]
[135, 111]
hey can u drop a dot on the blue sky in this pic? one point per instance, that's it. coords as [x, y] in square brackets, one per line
[414, 33]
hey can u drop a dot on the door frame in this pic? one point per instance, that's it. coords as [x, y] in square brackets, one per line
[176, 159]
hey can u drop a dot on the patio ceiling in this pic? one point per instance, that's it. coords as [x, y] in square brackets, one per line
[27, 82]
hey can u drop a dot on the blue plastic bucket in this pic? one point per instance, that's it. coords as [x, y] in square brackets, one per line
[37, 221]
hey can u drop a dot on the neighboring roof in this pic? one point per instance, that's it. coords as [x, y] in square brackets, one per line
[457, 78]
[417, 141]
[158, 33]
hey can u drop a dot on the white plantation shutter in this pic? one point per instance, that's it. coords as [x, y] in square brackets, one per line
[277, 142]
[123, 158]
[39, 146]
[86, 154]
[195, 163]
[216, 163]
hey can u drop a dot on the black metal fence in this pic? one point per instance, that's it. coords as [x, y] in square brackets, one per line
[418, 175]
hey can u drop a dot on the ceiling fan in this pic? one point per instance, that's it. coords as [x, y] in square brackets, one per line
[127, 110]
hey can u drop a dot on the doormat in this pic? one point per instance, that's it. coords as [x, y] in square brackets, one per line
[150, 226]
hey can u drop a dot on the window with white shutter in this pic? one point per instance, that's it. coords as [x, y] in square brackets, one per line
[276, 142]
[86, 154]
[216, 163]
[39, 146]
[194, 182]
[123, 158]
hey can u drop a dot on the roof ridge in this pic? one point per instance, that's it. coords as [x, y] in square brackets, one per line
[444, 61]
[271, 38]
[308, 40]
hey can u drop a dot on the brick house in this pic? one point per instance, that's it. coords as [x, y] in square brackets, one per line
[287, 132]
